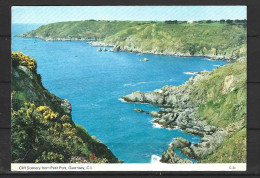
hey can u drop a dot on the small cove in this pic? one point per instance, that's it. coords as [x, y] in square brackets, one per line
[93, 82]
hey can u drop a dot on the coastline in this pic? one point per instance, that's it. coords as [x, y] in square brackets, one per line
[116, 48]
[182, 110]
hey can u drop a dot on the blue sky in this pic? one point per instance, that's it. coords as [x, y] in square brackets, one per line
[50, 14]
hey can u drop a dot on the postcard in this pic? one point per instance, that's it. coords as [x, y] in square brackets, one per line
[129, 88]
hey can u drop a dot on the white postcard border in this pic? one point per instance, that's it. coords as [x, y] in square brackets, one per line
[36, 167]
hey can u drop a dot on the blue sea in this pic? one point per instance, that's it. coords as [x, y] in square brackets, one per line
[93, 83]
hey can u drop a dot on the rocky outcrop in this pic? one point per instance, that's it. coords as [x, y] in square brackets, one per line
[115, 49]
[170, 157]
[227, 85]
[180, 142]
[141, 111]
[206, 146]
[66, 106]
[184, 119]
[180, 109]
[153, 97]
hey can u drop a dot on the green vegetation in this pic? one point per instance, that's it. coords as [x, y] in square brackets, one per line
[232, 150]
[223, 93]
[42, 127]
[201, 38]
[88, 30]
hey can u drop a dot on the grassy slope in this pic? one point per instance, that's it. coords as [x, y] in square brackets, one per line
[222, 108]
[225, 110]
[232, 150]
[188, 39]
[185, 39]
[81, 29]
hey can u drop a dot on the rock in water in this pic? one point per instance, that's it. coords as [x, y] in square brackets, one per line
[105, 49]
[115, 49]
[141, 111]
[99, 49]
[170, 157]
[180, 142]
[144, 59]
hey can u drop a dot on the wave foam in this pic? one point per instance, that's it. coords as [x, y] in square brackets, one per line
[190, 73]
[155, 159]
[158, 90]
[140, 83]
[156, 125]
[122, 100]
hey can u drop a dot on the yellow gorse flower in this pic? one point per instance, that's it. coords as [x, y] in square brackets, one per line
[24, 60]
[47, 113]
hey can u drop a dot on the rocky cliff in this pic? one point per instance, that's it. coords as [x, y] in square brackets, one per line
[212, 105]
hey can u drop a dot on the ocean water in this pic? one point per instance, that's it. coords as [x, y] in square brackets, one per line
[93, 83]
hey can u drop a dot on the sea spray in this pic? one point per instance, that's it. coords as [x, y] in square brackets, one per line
[155, 159]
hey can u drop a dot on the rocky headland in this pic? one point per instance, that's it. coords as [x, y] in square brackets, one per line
[183, 106]
[180, 39]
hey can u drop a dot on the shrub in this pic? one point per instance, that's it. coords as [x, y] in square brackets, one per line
[41, 135]
[18, 58]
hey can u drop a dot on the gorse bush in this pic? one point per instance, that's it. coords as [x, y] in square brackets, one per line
[47, 113]
[41, 135]
[18, 58]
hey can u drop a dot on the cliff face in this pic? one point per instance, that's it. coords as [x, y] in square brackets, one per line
[215, 39]
[212, 105]
[42, 127]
